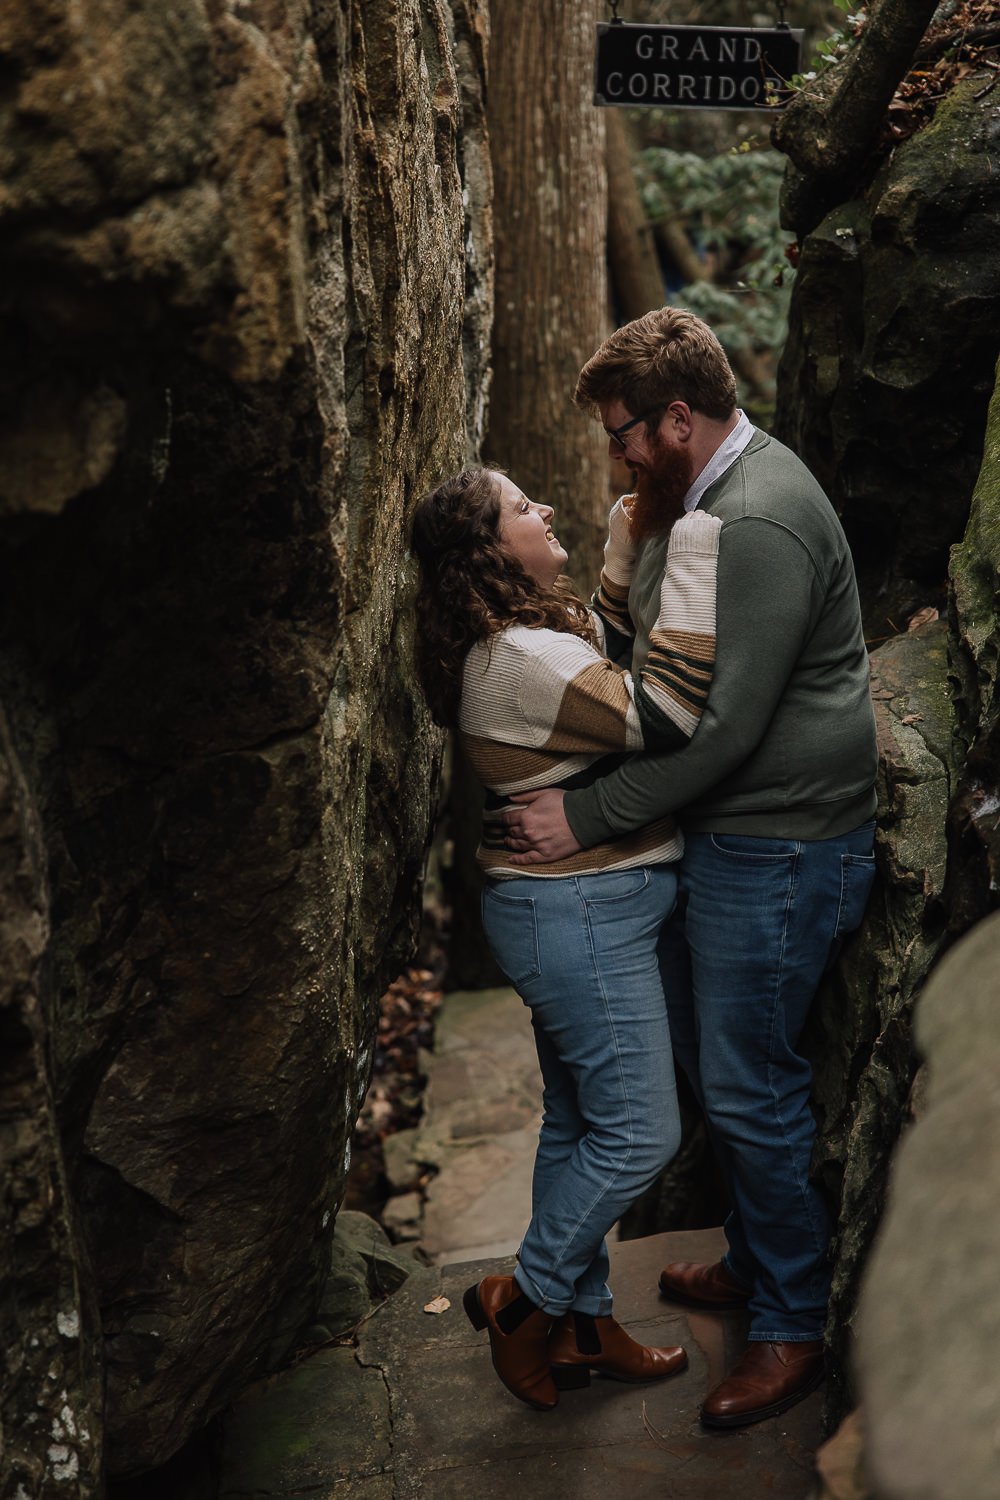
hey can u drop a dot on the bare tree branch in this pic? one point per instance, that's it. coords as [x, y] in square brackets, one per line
[828, 130]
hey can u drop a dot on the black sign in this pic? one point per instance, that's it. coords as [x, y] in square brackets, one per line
[695, 67]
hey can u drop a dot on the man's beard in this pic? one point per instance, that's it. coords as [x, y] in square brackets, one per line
[659, 492]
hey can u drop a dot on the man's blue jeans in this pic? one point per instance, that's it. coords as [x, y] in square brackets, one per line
[582, 953]
[758, 922]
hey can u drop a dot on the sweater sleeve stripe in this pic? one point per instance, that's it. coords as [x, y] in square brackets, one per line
[611, 602]
[675, 686]
[596, 712]
[677, 674]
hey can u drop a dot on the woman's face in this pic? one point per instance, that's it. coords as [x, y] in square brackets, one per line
[526, 533]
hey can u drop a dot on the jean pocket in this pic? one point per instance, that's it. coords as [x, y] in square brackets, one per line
[512, 931]
[618, 885]
[746, 846]
[857, 871]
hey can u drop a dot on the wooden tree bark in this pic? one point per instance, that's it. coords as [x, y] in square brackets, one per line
[632, 259]
[550, 215]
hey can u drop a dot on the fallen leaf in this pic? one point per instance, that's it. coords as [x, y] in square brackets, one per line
[437, 1305]
[922, 617]
[912, 719]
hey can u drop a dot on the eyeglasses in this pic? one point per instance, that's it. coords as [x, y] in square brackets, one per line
[617, 434]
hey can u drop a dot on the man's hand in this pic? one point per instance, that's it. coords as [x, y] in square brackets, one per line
[537, 828]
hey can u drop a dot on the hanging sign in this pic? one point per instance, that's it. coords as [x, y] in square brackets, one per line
[695, 67]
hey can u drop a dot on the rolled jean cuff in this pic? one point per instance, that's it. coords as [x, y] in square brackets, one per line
[785, 1338]
[533, 1294]
[594, 1306]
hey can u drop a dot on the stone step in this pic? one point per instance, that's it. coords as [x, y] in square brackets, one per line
[416, 1409]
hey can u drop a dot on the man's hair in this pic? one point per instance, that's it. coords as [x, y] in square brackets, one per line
[666, 355]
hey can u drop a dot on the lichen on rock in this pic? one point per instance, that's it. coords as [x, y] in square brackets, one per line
[859, 1033]
[247, 292]
[893, 333]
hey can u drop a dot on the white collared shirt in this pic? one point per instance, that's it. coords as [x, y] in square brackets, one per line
[727, 453]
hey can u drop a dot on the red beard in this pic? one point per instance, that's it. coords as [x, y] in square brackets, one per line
[659, 492]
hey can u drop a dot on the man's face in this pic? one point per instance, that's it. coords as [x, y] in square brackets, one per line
[663, 467]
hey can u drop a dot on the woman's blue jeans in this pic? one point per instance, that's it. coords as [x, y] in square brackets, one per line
[758, 922]
[582, 953]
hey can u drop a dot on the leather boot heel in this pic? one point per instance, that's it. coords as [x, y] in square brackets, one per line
[473, 1308]
[570, 1377]
[519, 1338]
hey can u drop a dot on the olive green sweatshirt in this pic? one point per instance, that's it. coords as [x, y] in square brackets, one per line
[786, 743]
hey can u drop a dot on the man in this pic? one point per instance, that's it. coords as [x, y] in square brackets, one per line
[776, 792]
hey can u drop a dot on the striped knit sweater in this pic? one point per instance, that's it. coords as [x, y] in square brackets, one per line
[543, 709]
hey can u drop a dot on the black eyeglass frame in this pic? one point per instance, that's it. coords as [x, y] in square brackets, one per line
[615, 433]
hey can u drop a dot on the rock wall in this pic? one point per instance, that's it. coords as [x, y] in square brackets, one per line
[893, 334]
[930, 1396]
[930, 1312]
[246, 296]
[859, 1034]
[883, 389]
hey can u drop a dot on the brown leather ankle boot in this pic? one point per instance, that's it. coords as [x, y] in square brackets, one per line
[519, 1338]
[581, 1344]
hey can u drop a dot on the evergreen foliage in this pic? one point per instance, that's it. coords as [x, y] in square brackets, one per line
[728, 205]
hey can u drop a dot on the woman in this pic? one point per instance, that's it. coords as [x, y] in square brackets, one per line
[513, 660]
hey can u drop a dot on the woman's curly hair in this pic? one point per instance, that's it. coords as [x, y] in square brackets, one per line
[471, 588]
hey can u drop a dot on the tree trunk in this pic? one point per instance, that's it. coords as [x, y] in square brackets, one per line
[550, 213]
[632, 259]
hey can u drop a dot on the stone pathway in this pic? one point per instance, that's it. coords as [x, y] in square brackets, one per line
[415, 1410]
[482, 1109]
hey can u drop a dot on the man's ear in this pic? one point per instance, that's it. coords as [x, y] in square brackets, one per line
[679, 421]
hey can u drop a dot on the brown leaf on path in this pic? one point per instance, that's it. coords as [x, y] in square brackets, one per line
[437, 1305]
[922, 617]
[912, 719]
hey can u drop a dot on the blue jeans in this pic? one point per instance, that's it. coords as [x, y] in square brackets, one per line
[758, 923]
[582, 953]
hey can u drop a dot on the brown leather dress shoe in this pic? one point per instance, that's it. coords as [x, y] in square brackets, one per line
[768, 1379]
[581, 1344]
[519, 1338]
[702, 1286]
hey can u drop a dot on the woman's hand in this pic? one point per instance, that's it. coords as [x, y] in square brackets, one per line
[620, 549]
[692, 554]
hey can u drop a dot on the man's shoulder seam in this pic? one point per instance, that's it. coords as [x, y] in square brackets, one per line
[727, 525]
